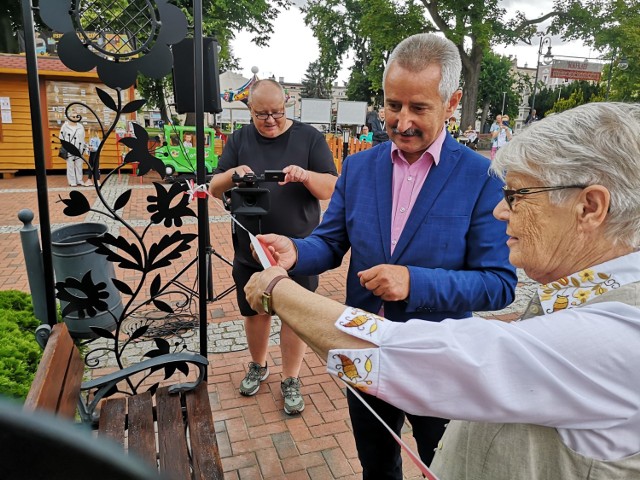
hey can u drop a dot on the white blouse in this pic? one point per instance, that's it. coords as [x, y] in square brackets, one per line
[577, 370]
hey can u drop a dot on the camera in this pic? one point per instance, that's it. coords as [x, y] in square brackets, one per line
[248, 198]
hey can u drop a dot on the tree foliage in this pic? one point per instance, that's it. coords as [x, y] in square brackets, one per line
[314, 83]
[499, 84]
[611, 27]
[368, 29]
[550, 100]
[372, 27]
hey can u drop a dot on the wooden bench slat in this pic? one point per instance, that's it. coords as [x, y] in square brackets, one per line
[172, 442]
[112, 419]
[142, 437]
[204, 446]
[71, 390]
[56, 388]
[51, 374]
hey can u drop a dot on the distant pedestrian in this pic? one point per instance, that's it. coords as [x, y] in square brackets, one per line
[366, 135]
[453, 127]
[501, 135]
[378, 128]
[94, 167]
[72, 131]
[533, 117]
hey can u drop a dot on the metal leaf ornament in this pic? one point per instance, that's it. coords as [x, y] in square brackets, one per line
[164, 207]
[140, 152]
[120, 39]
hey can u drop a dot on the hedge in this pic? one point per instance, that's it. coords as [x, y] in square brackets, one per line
[19, 351]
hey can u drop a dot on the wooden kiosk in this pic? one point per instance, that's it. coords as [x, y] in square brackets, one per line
[59, 87]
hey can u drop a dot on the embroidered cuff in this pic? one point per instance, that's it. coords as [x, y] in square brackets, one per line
[361, 324]
[358, 367]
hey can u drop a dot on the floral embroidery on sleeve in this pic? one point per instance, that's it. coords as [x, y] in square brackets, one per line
[364, 321]
[347, 369]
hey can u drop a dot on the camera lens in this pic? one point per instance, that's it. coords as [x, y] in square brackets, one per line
[250, 201]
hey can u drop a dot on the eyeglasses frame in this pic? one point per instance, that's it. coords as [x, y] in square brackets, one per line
[265, 116]
[509, 194]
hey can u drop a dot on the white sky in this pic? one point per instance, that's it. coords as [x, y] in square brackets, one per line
[292, 46]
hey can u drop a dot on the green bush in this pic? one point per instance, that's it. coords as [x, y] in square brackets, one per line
[19, 351]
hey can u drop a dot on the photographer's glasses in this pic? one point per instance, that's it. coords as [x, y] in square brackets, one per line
[264, 116]
[511, 195]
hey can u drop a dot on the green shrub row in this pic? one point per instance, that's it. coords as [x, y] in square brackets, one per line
[19, 351]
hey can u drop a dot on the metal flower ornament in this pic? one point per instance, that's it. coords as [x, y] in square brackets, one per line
[120, 39]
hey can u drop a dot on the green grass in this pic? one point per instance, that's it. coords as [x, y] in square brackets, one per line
[19, 351]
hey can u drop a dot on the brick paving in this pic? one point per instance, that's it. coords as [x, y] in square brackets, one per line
[257, 440]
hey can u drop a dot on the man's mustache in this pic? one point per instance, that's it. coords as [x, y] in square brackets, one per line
[409, 132]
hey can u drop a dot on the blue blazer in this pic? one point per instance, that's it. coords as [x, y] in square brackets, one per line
[454, 248]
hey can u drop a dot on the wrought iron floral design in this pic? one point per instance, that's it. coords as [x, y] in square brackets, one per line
[169, 206]
[91, 298]
[120, 39]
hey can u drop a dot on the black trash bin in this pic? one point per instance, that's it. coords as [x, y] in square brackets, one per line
[73, 257]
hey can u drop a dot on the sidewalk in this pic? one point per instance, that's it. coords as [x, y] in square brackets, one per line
[257, 440]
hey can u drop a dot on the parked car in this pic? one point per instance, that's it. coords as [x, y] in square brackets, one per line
[178, 150]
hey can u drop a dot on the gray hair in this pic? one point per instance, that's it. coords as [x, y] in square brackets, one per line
[263, 83]
[417, 52]
[593, 144]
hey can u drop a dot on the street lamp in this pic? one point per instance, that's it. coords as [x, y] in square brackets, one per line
[547, 59]
[504, 97]
[623, 64]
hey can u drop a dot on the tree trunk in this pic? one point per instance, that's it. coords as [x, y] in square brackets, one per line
[471, 75]
[485, 112]
[162, 105]
[190, 119]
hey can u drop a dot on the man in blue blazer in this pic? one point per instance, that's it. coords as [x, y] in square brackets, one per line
[416, 213]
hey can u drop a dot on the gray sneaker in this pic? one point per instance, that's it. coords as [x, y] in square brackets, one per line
[293, 402]
[251, 382]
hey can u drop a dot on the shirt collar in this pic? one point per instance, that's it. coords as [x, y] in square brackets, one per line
[580, 287]
[434, 149]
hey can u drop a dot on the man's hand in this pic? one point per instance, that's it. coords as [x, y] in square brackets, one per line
[258, 284]
[282, 249]
[294, 173]
[241, 170]
[389, 282]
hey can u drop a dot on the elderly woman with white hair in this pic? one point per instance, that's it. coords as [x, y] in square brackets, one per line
[555, 395]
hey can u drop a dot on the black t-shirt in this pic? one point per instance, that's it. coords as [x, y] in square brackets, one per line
[294, 211]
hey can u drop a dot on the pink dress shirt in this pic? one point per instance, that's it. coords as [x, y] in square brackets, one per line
[407, 183]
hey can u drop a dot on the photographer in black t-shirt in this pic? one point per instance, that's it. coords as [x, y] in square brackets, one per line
[274, 142]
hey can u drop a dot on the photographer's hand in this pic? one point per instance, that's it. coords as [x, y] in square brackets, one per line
[221, 182]
[320, 185]
[282, 248]
[295, 173]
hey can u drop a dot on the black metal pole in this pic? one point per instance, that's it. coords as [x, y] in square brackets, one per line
[39, 158]
[203, 211]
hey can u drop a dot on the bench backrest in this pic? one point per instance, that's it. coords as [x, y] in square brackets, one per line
[56, 386]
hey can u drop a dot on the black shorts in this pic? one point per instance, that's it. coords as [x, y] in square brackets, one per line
[242, 273]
